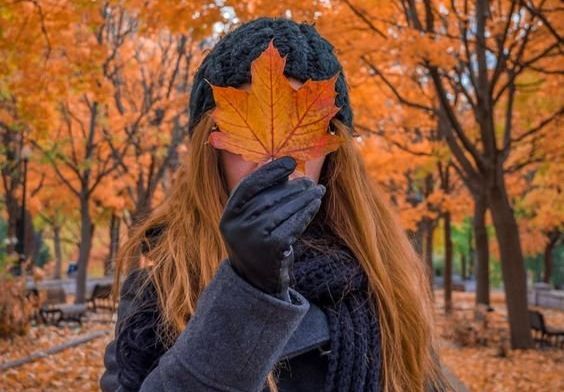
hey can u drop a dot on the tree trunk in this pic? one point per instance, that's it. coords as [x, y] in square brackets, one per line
[34, 247]
[86, 232]
[513, 266]
[471, 254]
[547, 273]
[109, 265]
[11, 234]
[416, 237]
[11, 171]
[428, 249]
[58, 252]
[463, 266]
[482, 252]
[448, 262]
[86, 225]
[553, 238]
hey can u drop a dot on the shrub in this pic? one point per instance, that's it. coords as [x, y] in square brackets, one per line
[15, 308]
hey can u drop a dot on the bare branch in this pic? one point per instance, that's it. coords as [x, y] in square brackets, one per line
[539, 126]
[382, 134]
[364, 18]
[540, 14]
[396, 93]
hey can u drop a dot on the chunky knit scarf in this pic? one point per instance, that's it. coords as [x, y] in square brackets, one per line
[327, 274]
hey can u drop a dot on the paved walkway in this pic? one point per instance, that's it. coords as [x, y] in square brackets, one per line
[70, 284]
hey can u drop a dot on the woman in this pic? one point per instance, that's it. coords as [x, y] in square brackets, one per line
[261, 280]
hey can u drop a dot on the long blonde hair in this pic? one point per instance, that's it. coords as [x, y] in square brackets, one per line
[187, 254]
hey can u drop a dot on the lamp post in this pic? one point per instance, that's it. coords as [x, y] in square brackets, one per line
[25, 154]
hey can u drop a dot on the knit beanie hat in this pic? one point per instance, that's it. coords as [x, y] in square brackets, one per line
[309, 56]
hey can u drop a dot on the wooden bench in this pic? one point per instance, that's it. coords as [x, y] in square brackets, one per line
[101, 298]
[542, 333]
[54, 310]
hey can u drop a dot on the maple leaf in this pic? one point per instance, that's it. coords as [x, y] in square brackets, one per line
[272, 119]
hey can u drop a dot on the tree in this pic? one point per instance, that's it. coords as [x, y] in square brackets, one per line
[474, 56]
[25, 95]
[543, 211]
[100, 92]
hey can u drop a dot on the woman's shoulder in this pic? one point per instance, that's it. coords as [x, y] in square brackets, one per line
[136, 289]
[134, 280]
[138, 297]
[138, 308]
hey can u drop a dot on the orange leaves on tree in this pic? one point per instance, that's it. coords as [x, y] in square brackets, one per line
[272, 119]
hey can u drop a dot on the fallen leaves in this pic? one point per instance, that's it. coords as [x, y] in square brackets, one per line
[78, 368]
[490, 368]
[480, 369]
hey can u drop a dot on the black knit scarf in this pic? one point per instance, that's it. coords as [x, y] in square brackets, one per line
[328, 275]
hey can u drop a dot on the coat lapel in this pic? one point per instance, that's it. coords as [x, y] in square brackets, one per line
[312, 332]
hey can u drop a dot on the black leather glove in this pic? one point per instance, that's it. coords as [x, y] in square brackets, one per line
[263, 217]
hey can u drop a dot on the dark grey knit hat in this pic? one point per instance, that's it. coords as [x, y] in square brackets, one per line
[309, 56]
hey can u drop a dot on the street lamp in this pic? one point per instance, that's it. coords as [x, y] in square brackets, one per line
[24, 155]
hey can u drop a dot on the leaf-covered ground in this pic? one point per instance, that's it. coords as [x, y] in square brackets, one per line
[486, 367]
[490, 365]
[75, 369]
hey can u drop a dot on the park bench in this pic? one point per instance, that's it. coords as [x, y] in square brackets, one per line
[54, 310]
[542, 333]
[101, 297]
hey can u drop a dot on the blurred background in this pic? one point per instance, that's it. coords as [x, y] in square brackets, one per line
[459, 109]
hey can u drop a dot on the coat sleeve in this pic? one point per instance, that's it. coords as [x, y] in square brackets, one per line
[233, 339]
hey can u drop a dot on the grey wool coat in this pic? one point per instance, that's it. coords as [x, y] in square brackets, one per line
[235, 337]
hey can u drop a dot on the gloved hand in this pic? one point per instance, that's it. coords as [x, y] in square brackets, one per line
[263, 217]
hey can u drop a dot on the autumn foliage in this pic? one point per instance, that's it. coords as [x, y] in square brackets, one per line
[458, 105]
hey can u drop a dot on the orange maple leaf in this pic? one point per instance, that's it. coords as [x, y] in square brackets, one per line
[272, 119]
